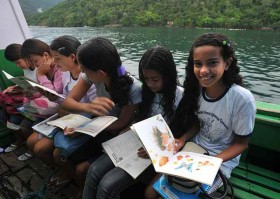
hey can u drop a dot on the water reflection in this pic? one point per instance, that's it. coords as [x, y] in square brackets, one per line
[257, 51]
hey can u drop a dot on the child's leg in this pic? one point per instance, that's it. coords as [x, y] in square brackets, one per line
[43, 148]
[81, 172]
[94, 175]
[13, 123]
[26, 127]
[113, 183]
[150, 193]
[62, 174]
[104, 180]
[31, 140]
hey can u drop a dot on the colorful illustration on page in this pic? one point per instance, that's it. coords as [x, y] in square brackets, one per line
[190, 164]
[163, 140]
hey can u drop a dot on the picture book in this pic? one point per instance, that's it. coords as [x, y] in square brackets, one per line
[29, 85]
[35, 85]
[159, 143]
[44, 128]
[83, 124]
[123, 152]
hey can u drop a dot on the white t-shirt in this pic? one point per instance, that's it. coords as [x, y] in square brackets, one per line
[31, 74]
[156, 108]
[222, 118]
[135, 96]
[68, 83]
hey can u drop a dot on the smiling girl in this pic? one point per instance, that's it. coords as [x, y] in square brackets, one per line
[214, 94]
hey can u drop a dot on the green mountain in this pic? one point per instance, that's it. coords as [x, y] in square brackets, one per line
[249, 14]
[36, 6]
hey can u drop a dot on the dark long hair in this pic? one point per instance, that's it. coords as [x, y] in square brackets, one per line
[33, 47]
[160, 60]
[185, 115]
[65, 45]
[100, 54]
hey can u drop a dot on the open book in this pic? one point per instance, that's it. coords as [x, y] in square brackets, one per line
[159, 143]
[83, 124]
[27, 84]
[123, 152]
[44, 128]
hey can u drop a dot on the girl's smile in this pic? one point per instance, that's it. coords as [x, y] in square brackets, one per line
[209, 68]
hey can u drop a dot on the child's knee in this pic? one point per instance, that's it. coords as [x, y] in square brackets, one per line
[31, 141]
[39, 150]
[106, 187]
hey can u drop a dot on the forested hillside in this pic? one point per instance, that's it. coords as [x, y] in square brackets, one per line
[34, 6]
[249, 14]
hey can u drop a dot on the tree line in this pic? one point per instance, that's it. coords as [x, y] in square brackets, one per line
[240, 14]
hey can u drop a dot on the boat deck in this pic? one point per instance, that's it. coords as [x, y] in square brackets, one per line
[22, 178]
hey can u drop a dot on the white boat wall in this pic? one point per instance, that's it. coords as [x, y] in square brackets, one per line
[13, 29]
[13, 26]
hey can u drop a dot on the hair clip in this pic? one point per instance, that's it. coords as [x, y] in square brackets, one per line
[225, 43]
[121, 70]
[61, 49]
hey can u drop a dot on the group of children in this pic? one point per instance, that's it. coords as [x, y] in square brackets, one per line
[212, 108]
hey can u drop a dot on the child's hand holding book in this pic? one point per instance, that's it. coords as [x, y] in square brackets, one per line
[142, 153]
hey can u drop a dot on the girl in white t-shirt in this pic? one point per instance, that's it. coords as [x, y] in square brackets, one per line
[160, 95]
[118, 94]
[63, 50]
[225, 111]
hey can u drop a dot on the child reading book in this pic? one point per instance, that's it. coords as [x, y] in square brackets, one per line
[160, 94]
[13, 96]
[12, 53]
[63, 49]
[213, 91]
[100, 61]
[159, 143]
[37, 53]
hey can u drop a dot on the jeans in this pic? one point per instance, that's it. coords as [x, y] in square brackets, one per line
[104, 180]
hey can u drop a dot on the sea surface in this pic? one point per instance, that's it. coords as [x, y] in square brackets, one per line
[258, 51]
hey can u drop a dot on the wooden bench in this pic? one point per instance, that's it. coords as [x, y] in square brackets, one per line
[258, 174]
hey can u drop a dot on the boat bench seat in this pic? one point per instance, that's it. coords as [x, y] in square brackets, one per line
[250, 181]
[257, 175]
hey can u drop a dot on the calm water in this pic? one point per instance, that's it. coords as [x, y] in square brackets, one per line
[258, 52]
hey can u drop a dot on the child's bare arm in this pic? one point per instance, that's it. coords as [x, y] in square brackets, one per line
[239, 144]
[125, 118]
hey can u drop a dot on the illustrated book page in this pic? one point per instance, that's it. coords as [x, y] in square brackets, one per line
[83, 124]
[123, 152]
[27, 84]
[21, 81]
[44, 128]
[45, 89]
[159, 143]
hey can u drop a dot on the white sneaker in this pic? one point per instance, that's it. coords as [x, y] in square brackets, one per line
[11, 148]
[13, 126]
[25, 156]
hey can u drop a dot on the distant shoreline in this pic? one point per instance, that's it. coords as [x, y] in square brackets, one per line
[120, 26]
